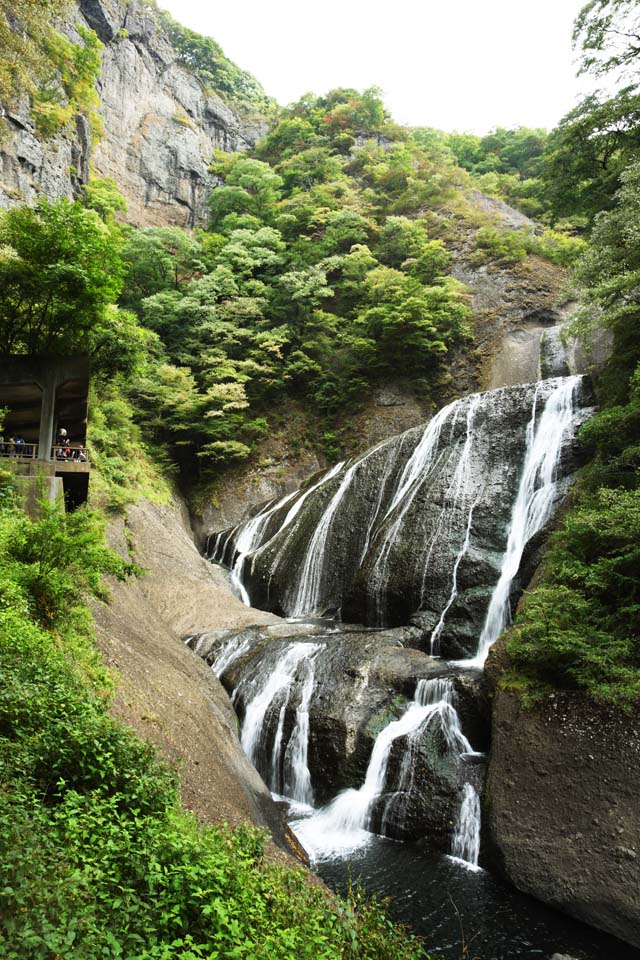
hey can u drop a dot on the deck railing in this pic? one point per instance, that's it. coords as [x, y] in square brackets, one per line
[71, 453]
[18, 450]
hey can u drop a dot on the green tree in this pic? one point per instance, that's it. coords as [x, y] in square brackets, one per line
[607, 34]
[59, 267]
[156, 259]
[25, 25]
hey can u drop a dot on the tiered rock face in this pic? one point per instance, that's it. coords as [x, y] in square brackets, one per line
[363, 680]
[415, 530]
[160, 127]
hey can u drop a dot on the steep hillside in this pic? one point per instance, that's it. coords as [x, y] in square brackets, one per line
[160, 125]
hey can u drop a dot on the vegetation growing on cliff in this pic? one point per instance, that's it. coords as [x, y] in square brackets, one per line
[25, 26]
[580, 629]
[218, 75]
[321, 273]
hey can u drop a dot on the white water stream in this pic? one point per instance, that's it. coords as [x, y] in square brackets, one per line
[534, 502]
[465, 845]
[269, 693]
[345, 823]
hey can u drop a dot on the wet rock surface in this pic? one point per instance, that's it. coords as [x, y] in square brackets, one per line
[363, 680]
[382, 548]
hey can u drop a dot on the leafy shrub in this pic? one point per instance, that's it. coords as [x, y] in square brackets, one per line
[504, 246]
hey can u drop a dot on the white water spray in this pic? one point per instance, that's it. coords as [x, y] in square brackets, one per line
[465, 844]
[344, 824]
[297, 778]
[274, 692]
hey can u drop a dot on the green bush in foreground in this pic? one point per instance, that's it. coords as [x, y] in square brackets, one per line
[98, 861]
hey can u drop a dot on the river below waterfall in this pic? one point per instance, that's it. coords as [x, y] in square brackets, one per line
[464, 914]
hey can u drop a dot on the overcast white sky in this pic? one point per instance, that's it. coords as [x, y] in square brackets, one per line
[466, 65]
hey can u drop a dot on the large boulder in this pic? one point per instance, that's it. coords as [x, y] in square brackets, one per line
[561, 802]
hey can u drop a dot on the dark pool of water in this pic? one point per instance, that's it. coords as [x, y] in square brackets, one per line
[464, 915]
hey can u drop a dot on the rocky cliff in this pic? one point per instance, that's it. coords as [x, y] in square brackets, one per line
[160, 126]
[164, 692]
[562, 803]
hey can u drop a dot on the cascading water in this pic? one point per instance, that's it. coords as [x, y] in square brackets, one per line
[297, 778]
[413, 476]
[437, 630]
[347, 821]
[270, 694]
[232, 650]
[438, 487]
[537, 495]
[465, 845]
[248, 539]
[307, 591]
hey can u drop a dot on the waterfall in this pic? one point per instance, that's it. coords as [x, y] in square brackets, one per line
[437, 630]
[465, 844]
[297, 778]
[273, 693]
[431, 525]
[295, 509]
[231, 651]
[534, 502]
[416, 470]
[438, 693]
[345, 823]
[307, 591]
[248, 539]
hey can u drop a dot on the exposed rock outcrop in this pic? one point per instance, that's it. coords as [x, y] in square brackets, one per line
[166, 693]
[362, 680]
[562, 803]
[417, 525]
[160, 127]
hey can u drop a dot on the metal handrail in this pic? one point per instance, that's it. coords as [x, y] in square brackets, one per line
[29, 451]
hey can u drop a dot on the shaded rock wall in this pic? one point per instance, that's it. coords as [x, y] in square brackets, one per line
[562, 804]
[160, 127]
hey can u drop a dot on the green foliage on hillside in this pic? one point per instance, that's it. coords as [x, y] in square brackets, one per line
[580, 629]
[216, 73]
[98, 859]
[319, 275]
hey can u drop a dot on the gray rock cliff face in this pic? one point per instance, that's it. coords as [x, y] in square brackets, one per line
[160, 127]
[562, 803]
[416, 527]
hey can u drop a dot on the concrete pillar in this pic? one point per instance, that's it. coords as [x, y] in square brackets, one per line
[47, 413]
